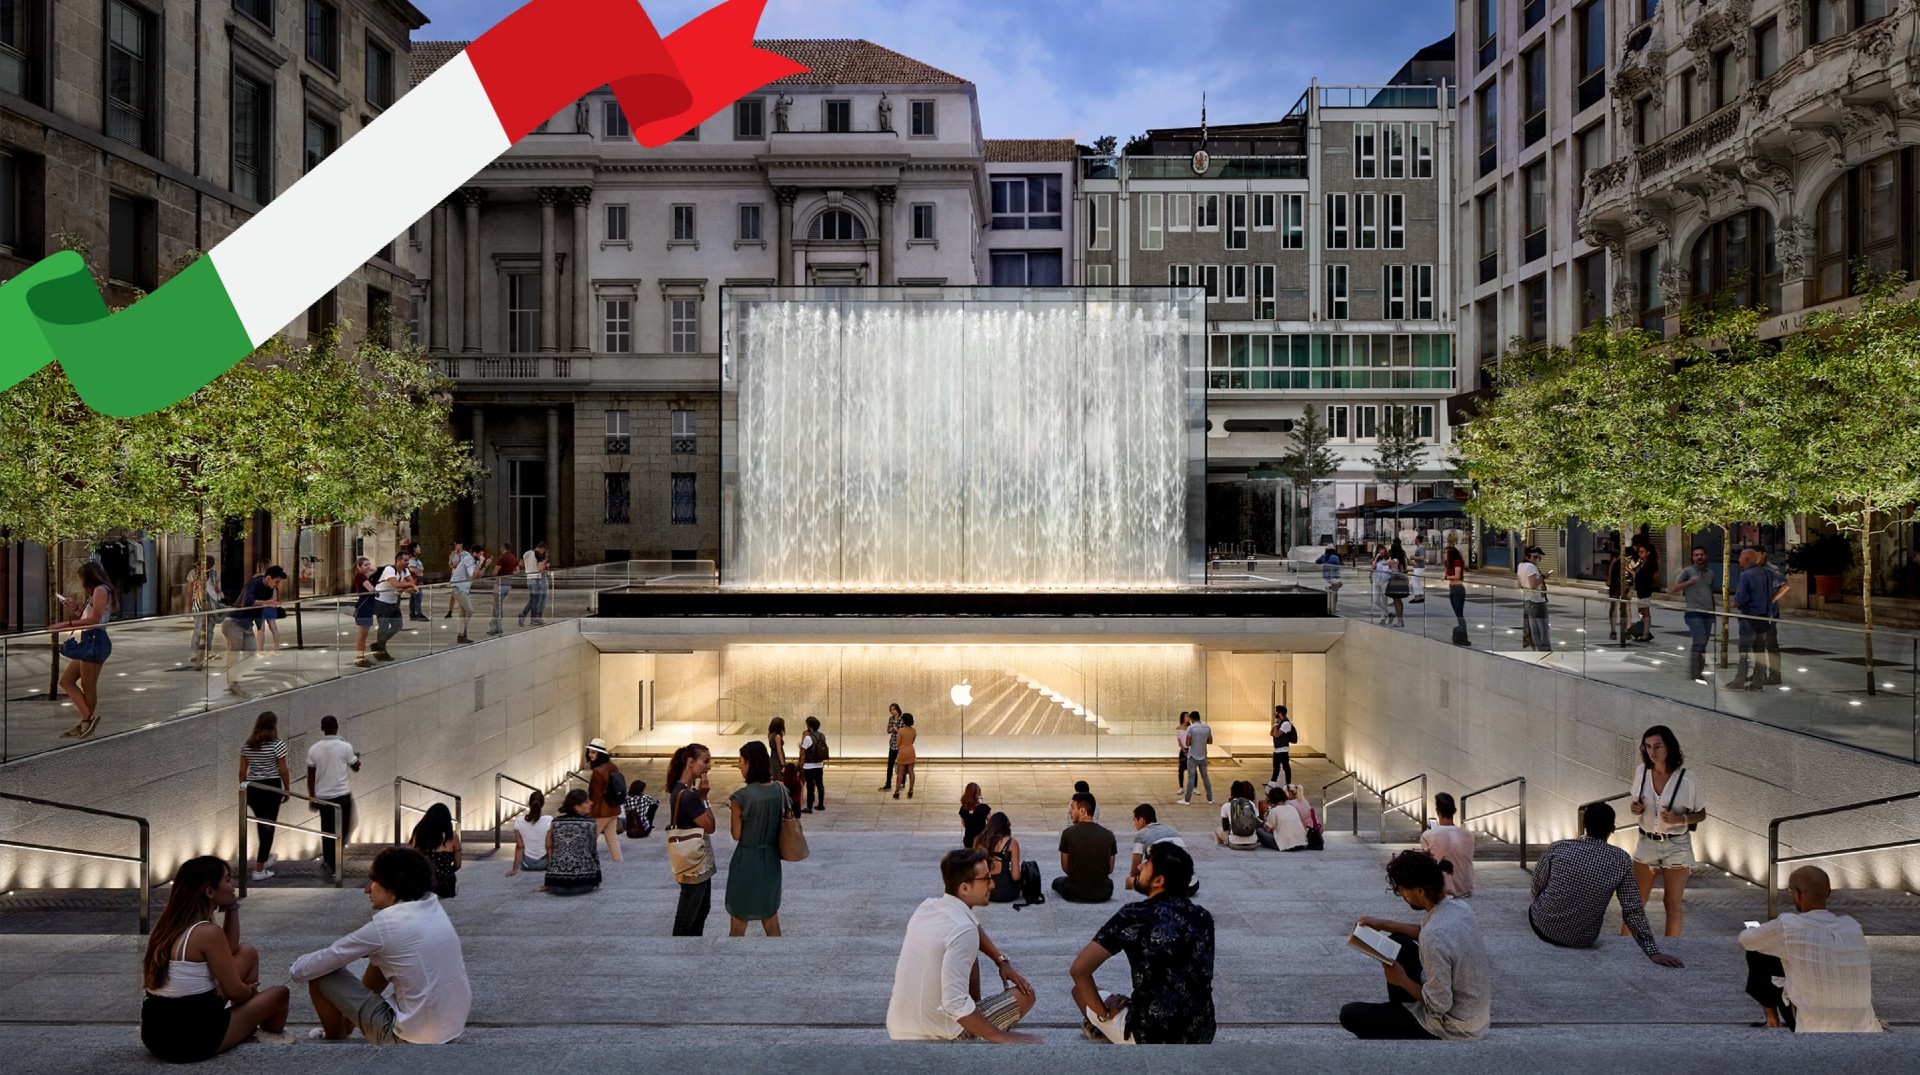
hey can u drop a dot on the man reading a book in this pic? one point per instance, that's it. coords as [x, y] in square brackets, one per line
[1168, 940]
[1440, 964]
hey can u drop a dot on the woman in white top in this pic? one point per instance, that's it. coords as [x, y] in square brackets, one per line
[530, 837]
[1667, 800]
[192, 974]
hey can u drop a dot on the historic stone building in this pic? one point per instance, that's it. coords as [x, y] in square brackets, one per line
[573, 290]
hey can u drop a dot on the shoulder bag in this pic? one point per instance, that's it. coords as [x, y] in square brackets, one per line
[793, 839]
[689, 853]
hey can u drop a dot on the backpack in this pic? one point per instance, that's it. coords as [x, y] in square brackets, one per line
[818, 751]
[1241, 817]
[1031, 890]
[616, 793]
[639, 811]
[1293, 733]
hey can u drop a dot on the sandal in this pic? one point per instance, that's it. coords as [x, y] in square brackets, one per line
[82, 729]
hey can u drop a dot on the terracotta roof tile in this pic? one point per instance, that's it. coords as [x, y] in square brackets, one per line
[832, 62]
[1031, 150]
[429, 56]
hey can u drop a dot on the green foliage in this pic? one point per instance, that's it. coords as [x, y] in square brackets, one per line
[1400, 450]
[1310, 460]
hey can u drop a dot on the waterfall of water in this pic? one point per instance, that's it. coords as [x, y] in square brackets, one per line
[992, 445]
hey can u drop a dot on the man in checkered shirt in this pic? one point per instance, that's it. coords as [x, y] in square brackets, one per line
[1573, 881]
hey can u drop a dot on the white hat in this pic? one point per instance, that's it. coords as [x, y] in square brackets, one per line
[600, 745]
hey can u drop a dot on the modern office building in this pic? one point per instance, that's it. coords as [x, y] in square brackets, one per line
[1029, 236]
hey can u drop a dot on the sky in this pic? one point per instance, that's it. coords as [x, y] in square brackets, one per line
[1049, 69]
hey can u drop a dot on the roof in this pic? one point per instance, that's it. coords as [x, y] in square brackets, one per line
[1031, 150]
[831, 61]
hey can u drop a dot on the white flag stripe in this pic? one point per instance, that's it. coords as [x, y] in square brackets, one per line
[382, 180]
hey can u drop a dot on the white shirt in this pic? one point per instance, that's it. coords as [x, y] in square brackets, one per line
[1249, 840]
[533, 834]
[415, 946]
[463, 572]
[1532, 581]
[806, 744]
[387, 589]
[1685, 799]
[331, 759]
[1829, 978]
[529, 563]
[1288, 831]
[930, 979]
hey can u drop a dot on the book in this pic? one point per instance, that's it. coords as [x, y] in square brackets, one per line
[1374, 944]
[1113, 1028]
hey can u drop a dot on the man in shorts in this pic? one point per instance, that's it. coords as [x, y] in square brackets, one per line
[410, 945]
[936, 983]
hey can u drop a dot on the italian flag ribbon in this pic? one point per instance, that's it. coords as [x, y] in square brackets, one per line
[529, 67]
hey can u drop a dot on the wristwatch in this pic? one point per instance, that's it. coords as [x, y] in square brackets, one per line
[1004, 958]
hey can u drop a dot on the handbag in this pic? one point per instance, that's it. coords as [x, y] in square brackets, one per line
[690, 855]
[1398, 586]
[793, 839]
[85, 647]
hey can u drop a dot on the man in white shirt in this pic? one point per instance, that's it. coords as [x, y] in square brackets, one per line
[461, 596]
[936, 983]
[394, 580]
[1534, 632]
[410, 945]
[329, 760]
[533, 564]
[1810, 971]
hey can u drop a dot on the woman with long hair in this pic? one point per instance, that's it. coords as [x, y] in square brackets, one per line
[573, 853]
[777, 743]
[530, 833]
[903, 771]
[203, 985]
[1667, 802]
[1003, 857]
[436, 838]
[88, 653]
[1398, 585]
[1455, 566]
[363, 608]
[753, 877]
[689, 819]
[606, 815]
[263, 760]
[973, 815]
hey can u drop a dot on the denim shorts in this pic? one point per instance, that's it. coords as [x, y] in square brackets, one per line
[1672, 853]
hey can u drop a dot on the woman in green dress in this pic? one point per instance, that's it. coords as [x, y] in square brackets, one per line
[753, 877]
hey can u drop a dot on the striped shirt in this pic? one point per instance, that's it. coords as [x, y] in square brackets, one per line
[263, 761]
[1571, 885]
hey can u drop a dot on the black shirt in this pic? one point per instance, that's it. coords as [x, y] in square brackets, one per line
[687, 806]
[973, 822]
[247, 611]
[1169, 944]
[1090, 849]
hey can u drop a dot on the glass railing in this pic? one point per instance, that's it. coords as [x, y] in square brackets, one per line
[1379, 96]
[171, 667]
[1217, 168]
[1823, 686]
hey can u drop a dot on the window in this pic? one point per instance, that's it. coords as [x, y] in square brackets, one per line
[1535, 182]
[9, 202]
[1486, 315]
[1489, 213]
[251, 169]
[1206, 212]
[838, 116]
[130, 240]
[1179, 212]
[1099, 276]
[1590, 277]
[1265, 288]
[379, 74]
[1534, 112]
[618, 338]
[1209, 280]
[1533, 297]
[681, 499]
[1366, 417]
[1647, 288]
[1866, 11]
[323, 314]
[1646, 121]
[1648, 8]
[1263, 212]
[1489, 30]
[1337, 426]
[1236, 222]
[613, 122]
[837, 225]
[1393, 292]
[323, 137]
[1590, 146]
[1590, 60]
[1365, 162]
[1394, 135]
[1420, 135]
[920, 119]
[683, 432]
[1293, 226]
[1236, 281]
[260, 11]
[1337, 307]
[1489, 127]
[1365, 212]
[1722, 62]
[616, 223]
[380, 316]
[1336, 222]
[1396, 221]
[683, 225]
[1826, 19]
[1689, 88]
[1867, 217]
[1737, 256]
[619, 433]
[1766, 49]
[1179, 276]
[750, 119]
[323, 34]
[133, 46]
[523, 312]
[921, 214]
[1423, 302]
[1531, 12]
[18, 62]
[1029, 203]
[1152, 226]
[683, 326]
[691, 134]
[1099, 221]
[619, 497]
[749, 224]
[416, 317]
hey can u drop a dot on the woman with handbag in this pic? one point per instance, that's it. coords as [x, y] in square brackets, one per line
[573, 856]
[87, 653]
[1398, 584]
[363, 600]
[690, 838]
[753, 875]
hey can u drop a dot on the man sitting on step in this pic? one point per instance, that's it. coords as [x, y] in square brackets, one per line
[1810, 971]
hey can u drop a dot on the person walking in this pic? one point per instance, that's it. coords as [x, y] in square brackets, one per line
[1169, 942]
[1329, 562]
[1454, 565]
[263, 760]
[530, 837]
[1382, 571]
[1398, 586]
[936, 981]
[1418, 562]
[417, 570]
[1284, 735]
[533, 564]
[1768, 643]
[453, 564]
[572, 849]
[363, 609]
[973, 815]
[1646, 579]
[813, 764]
[503, 569]
[1667, 800]
[1534, 630]
[1199, 736]
[329, 761]
[1695, 583]
[907, 755]
[437, 839]
[1181, 743]
[394, 581]
[460, 592]
[88, 653]
[606, 795]
[202, 598]
[203, 992]
[753, 875]
[240, 630]
[687, 809]
[1003, 854]
[893, 742]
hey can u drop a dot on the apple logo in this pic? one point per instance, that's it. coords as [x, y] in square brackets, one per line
[962, 693]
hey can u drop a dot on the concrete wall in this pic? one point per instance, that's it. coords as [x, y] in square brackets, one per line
[523, 704]
[1400, 705]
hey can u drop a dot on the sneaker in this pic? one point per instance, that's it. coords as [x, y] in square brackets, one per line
[234, 689]
[1184, 802]
[807, 810]
[262, 875]
[463, 639]
[383, 655]
[886, 787]
[270, 860]
[274, 1037]
[319, 1033]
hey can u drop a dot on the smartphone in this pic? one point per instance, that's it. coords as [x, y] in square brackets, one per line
[1753, 925]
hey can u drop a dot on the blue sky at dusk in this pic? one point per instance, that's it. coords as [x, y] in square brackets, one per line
[1049, 69]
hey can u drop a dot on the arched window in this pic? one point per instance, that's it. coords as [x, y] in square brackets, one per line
[1867, 217]
[1737, 256]
[837, 224]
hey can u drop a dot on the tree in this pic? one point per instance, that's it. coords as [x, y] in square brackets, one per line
[1105, 145]
[1400, 451]
[1310, 460]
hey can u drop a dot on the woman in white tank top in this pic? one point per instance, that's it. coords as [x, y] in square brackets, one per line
[192, 974]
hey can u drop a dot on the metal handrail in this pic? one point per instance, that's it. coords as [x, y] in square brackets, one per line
[340, 836]
[1328, 804]
[398, 806]
[1773, 843]
[500, 817]
[1521, 806]
[1389, 807]
[144, 858]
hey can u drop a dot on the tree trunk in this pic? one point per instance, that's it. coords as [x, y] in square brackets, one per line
[55, 607]
[299, 637]
[1726, 588]
[1866, 595]
[1626, 584]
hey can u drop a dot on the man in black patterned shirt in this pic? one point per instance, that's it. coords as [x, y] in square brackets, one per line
[1573, 881]
[1168, 940]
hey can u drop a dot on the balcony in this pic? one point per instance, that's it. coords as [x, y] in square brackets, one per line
[1672, 159]
[575, 370]
[1217, 168]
